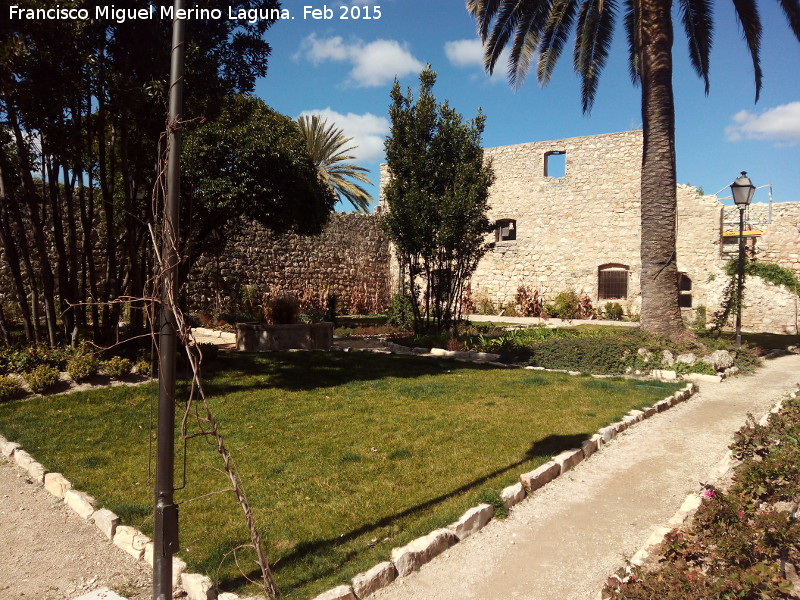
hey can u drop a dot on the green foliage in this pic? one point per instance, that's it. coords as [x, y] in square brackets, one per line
[22, 360]
[767, 271]
[10, 388]
[614, 311]
[42, 378]
[588, 355]
[569, 305]
[82, 367]
[326, 146]
[492, 497]
[438, 200]
[529, 302]
[485, 306]
[142, 366]
[251, 161]
[401, 312]
[117, 367]
[700, 316]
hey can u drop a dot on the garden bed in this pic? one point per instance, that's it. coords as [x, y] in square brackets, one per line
[343, 457]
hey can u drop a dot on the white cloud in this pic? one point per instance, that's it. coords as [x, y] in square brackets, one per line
[468, 54]
[780, 124]
[368, 131]
[464, 53]
[375, 63]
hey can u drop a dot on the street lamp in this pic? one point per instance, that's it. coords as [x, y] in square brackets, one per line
[742, 190]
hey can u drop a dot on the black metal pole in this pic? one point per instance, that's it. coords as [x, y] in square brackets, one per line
[740, 282]
[165, 535]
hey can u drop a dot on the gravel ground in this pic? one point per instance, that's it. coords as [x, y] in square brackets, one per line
[561, 544]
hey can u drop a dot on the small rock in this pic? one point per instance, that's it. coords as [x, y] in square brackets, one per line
[568, 459]
[80, 502]
[720, 359]
[378, 577]
[198, 587]
[540, 476]
[106, 521]
[422, 550]
[131, 540]
[667, 358]
[473, 520]
[56, 484]
[343, 592]
[689, 358]
[512, 495]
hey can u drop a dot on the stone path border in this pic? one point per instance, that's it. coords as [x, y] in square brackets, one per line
[686, 510]
[406, 559]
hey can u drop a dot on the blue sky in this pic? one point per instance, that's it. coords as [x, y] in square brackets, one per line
[344, 69]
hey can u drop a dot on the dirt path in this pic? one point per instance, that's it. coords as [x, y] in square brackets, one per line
[47, 552]
[564, 542]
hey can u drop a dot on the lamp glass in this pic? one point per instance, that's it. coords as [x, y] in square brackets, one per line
[742, 190]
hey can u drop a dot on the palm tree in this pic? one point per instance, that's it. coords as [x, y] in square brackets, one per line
[328, 148]
[538, 29]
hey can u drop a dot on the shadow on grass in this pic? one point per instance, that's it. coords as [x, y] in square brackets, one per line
[303, 371]
[544, 448]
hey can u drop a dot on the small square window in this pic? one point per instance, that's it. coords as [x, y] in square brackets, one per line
[612, 282]
[505, 230]
[555, 164]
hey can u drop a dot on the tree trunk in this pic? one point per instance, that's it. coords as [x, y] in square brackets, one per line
[659, 278]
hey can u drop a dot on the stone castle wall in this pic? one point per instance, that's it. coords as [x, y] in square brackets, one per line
[350, 258]
[568, 227]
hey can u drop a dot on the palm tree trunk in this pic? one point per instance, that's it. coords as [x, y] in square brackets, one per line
[659, 279]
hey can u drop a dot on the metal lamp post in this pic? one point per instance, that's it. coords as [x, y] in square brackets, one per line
[742, 190]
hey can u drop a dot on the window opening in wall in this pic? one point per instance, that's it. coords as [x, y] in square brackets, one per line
[555, 164]
[684, 291]
[612, 282]
[505, 230]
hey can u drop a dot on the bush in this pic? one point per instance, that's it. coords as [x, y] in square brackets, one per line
[585, 354]
[614, 311]
[82, 367]
[10, 388]
[569, 305]
[401, 312]
[42, 379]
[282, 310]
[22, 360]
[529, 301]
[142, 366]
[117, 367]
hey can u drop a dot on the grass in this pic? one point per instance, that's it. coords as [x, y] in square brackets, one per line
[344, 456]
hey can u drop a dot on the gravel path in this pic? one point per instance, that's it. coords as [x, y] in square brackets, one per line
[560, 545]
[565, 541]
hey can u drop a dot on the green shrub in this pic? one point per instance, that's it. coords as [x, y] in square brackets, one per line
[569, 305]
[117, 367]
[42, 378]
[490, 496]
[82, 367]
[10, 388]
[614, 311]
[767, 271]
[142, 366]
[401, 312]
[700, 319]
[22, 360]
[585, 354]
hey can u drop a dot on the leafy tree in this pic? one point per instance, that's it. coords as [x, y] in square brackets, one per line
[536, 30]
[329, 149]
[251, 161]
[437, 197]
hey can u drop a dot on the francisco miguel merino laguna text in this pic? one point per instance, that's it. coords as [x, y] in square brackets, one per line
[120, 15]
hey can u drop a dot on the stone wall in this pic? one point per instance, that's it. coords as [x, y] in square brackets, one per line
[350, 258]
[568, 227]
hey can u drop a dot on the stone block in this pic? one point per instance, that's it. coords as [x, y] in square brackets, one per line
[131, 540]
[658, 535]
[619, 426]
[512, 495]
[720, 359]
[8, 448]
[473, 520]
[663, 405]
[106, 521]
[637, 414]
[438, 352]
[2, 440]
[629, 420]
[378, 577]
[343, 592]
[650, 411]
[608, 433]
[198, 587]
[540, 476]
[699, 378]
[568, 459]
[80, 502]
[178, 566]
[665, 374]
[36, 471]
[485, 356]
[420, 350]
[589, 447]
[228, 596]
[599, 439]
[23, 459]
[57, 484]
[422, 550]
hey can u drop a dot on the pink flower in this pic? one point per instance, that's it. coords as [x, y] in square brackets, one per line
[708, 493]
[740, 512]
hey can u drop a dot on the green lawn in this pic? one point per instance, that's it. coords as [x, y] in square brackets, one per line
[344, 456]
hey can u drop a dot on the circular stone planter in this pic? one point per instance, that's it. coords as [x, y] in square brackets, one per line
[258, 337]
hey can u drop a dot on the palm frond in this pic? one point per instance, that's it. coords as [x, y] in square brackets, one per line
[504, 26]
[554, 36]
[328, 148]
[533, 18]
[792, 10]
[484, 12]
[698, 23]
[595, 30]
[633, 31]
[747, 15]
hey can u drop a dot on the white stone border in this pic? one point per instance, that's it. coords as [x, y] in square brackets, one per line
[404, 560]
[687, 509]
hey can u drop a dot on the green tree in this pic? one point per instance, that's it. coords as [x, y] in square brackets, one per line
[249, 162]
[437, 199]
[329, 149]
[538, 29]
